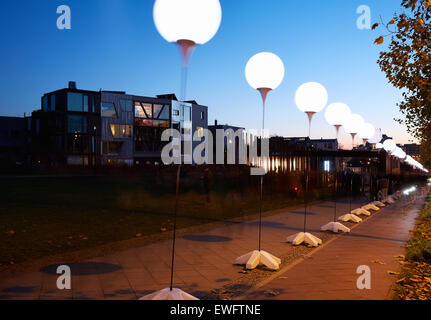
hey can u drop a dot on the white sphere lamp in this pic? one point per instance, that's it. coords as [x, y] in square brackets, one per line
[377, 137]
[389, 145]
[311, 97]
[379, 145]
[264, 72]
[353, 125]
[187, 22]
[366, 132]
[336, 114]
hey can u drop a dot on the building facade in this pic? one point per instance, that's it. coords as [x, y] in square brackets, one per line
[92, 128]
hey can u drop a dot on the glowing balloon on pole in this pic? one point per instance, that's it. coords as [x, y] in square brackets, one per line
[187, 23]
[311, 97]
[353, 126]
[336, 114]
[389, 145]
[366, 132]
[263, 72]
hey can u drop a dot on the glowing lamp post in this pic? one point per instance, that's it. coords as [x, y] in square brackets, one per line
[376, 138]
[187, 23]
[353, 126]
[336, 115]
[264, 72]
[366, 132]
[310, 98]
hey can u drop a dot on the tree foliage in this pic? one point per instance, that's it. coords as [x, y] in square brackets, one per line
[407, 65]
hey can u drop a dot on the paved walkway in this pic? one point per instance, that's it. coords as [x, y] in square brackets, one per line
[204, 261]
[330, 272]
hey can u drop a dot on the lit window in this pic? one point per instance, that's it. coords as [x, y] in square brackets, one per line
[202, 115]
[139, 112]
[200, 131]
[148, 108]
[115, 130]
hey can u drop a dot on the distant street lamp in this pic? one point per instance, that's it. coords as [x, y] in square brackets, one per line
[264, 72]
[310, 98]
[187, 23]
[336, 115]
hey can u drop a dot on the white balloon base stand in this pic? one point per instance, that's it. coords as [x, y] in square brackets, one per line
[350, 217]
[371, 206]
[361, 211]
[255, 258]
[305, 237]
[335, 227]
[379, 204]
[168, 294]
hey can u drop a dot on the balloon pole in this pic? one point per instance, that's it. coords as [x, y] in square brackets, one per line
[305, 236]
[254, 258]
[186, 48]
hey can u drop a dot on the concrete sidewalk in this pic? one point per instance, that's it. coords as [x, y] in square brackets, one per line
[204, 261]
[330, 272]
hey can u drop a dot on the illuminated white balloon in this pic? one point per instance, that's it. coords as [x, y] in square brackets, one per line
[264, 70]
[193, 20]
[336, 114]
[377, 137]
[389, 145]
[366, 131]
[311, 97]
[354, 124]
[379, 145]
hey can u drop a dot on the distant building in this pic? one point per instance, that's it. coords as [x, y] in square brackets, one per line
[90, 128]
[324, 144]
[229, 140]
[413, 150]
[317, 144]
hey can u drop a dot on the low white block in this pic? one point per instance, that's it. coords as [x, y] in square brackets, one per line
[371, 206]
[350, 217]
[361, 211]
[335, 227]
[379, 204]
[306, 237]
[254, 258]
[167, 294]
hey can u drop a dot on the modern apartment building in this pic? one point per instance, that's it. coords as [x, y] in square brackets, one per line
[90, 128]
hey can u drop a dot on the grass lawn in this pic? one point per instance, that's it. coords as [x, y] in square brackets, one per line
[41, 216]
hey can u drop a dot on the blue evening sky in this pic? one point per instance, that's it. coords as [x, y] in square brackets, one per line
[114, 45]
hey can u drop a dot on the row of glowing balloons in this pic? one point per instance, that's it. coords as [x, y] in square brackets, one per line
[197, 21]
